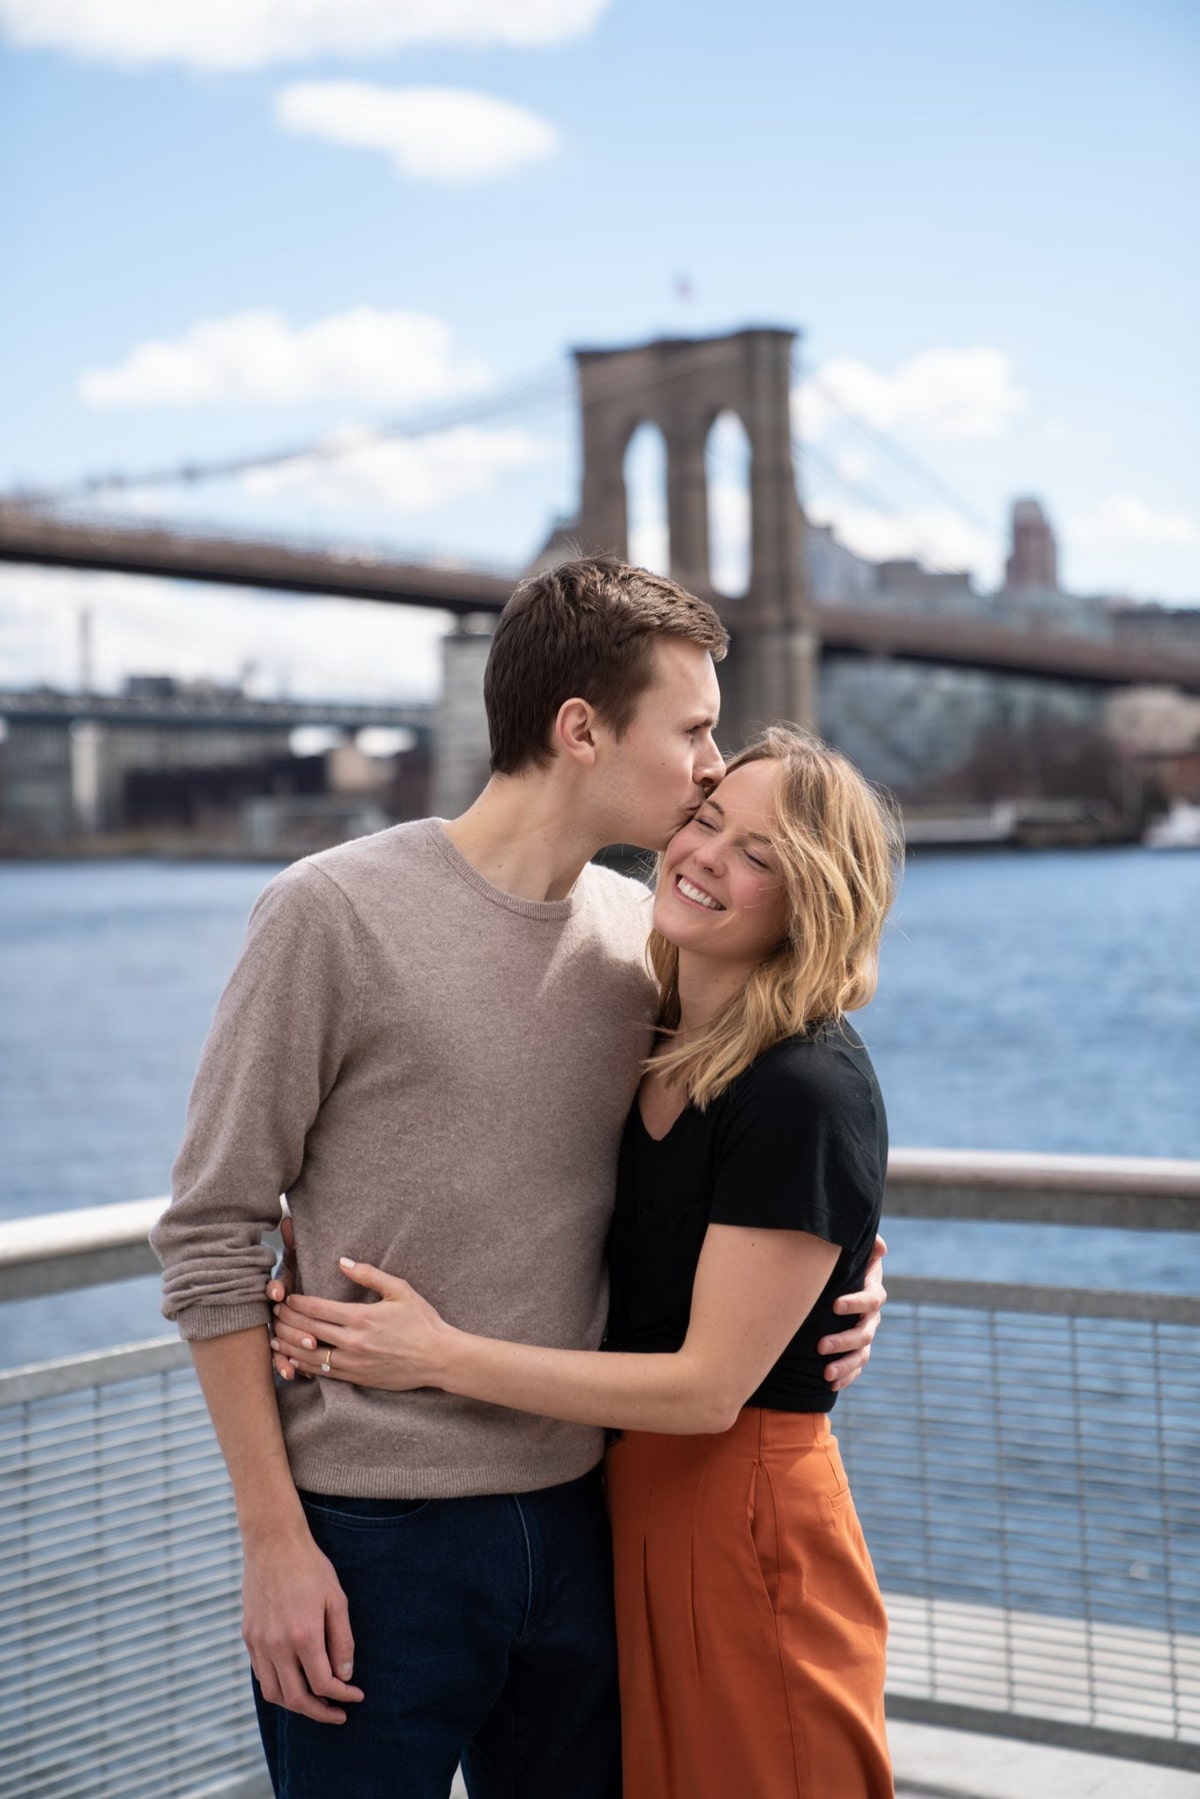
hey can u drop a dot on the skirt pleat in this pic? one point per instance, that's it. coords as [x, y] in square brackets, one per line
[751, 1633]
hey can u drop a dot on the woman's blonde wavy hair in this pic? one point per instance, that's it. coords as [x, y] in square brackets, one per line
[838, 844]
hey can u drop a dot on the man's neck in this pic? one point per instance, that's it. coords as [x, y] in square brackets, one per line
[521, 836]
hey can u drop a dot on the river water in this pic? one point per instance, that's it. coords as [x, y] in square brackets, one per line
[1042, 1001]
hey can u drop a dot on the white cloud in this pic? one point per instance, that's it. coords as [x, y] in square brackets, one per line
[430, 133]
[940, 393]
[387, 358]
[1124, 519]
[246, 34]
[326, 649]
[852, 465]
[402, 474]
[934, 535]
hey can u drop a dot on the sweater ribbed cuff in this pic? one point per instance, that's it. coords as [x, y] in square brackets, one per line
[199, 1323]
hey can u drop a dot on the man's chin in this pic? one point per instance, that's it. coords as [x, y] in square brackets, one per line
[685, 818]
[653, 844]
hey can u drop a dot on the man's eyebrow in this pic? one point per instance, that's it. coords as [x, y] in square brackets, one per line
[755, 836]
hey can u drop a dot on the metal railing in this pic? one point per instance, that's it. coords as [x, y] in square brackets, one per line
[1025, 1459]
[1026, 1463]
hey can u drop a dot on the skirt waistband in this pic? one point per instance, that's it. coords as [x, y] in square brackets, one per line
[757, 1432]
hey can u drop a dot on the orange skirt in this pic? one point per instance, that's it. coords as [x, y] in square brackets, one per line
[750, 1630]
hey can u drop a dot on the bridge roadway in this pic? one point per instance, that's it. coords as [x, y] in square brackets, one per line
[32, 536]
[200, 712]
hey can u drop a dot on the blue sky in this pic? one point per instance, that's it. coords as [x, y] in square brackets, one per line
[982, 217]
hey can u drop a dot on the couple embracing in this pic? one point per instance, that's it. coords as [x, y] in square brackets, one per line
[495, 1080]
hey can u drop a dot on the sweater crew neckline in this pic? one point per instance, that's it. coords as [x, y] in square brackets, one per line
[548, 911]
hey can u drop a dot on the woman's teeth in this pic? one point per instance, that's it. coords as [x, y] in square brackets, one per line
[697, 895]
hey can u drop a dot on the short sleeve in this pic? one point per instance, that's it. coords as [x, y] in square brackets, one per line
[803, 1144]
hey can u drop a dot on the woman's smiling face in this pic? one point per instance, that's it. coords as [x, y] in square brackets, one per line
[720, 892]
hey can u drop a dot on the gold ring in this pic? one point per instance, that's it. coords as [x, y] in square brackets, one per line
[327, 1364]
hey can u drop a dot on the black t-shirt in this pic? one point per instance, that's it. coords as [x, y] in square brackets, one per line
[798, 1142]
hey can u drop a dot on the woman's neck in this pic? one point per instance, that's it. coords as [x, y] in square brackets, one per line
[705, 989]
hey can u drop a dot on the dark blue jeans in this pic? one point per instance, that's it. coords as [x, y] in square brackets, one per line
[483, 1631]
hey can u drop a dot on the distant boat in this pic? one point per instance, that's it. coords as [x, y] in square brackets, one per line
[1179, 830]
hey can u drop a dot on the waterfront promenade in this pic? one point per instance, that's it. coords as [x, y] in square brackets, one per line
[1031, 1497]
[1024, 1458]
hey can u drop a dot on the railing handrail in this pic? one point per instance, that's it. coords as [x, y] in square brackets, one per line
[1143, 1193]
[61, 1251]
[1145, 1176]
[82, 1232]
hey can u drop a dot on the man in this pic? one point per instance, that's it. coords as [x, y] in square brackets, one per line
[430, 1044]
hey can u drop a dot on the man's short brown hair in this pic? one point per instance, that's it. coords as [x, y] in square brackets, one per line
[583, 630]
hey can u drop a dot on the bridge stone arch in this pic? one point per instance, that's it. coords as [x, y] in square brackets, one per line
[682, 385]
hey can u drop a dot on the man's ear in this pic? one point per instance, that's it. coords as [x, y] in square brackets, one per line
[574, 733]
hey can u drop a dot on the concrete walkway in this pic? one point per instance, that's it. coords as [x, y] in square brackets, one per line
[1072, 1670]
[931, 1763]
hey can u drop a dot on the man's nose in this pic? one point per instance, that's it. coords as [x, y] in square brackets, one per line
[712, 769]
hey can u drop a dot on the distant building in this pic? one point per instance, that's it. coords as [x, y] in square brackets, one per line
[37, 780]
[835, 573]
[1033, 560]
[1159, 627]
[837, 576]
[932, 590]
[190, 757]
[1032, 598]
[911, 727]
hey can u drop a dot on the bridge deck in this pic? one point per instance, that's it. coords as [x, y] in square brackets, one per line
[31, 536]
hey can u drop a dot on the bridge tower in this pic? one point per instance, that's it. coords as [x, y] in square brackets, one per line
[681, 385]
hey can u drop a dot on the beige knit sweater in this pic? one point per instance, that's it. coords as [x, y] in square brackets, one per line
[436, 1074]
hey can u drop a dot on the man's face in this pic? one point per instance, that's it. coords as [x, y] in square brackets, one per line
[665, 764]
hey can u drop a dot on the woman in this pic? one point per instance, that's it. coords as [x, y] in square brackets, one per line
[750, 1627]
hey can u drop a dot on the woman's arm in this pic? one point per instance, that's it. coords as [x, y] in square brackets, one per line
[753, 1290]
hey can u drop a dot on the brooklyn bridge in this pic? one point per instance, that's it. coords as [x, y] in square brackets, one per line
[779, 631]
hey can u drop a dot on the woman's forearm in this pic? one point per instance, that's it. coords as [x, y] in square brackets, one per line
[752, 1291]
[675, 1394]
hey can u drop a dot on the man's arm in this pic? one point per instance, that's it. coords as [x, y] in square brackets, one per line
[282, 1028]
[295, 1622]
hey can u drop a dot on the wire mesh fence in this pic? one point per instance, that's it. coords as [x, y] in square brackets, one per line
[1029, 1484]
[122, 1673]
[1026, 1463]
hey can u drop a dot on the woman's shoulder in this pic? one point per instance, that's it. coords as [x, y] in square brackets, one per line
[830, 1057]
[819, 1081]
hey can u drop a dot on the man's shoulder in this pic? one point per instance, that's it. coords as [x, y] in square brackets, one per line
[619, 903]
[352, 878]
[375, 863]
[620, 891]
